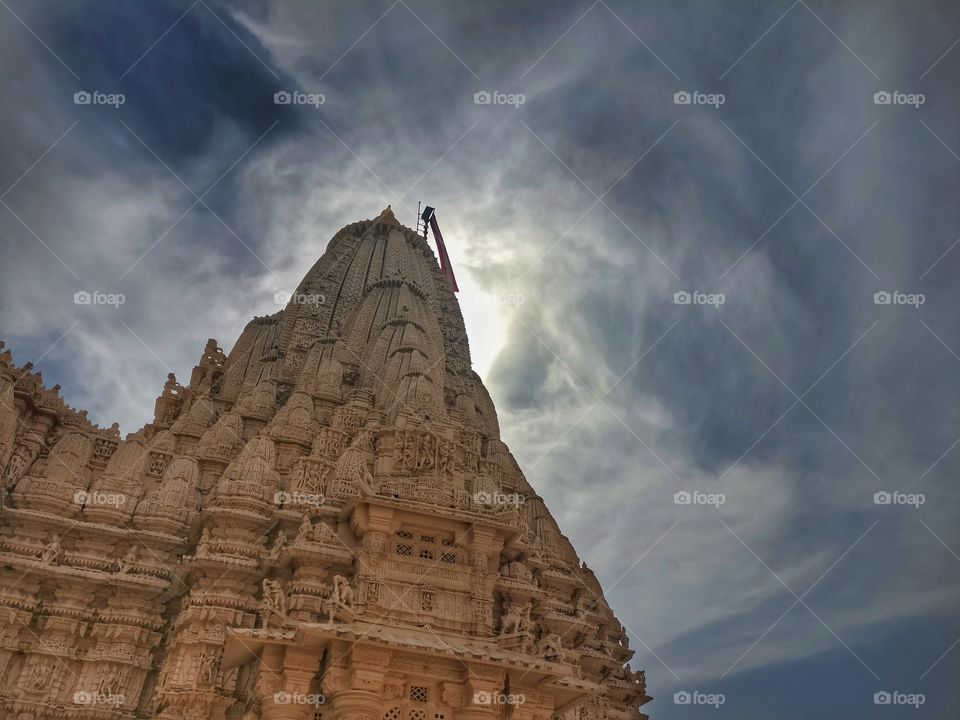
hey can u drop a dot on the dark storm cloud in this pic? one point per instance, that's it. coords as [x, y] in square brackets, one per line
[595, 202]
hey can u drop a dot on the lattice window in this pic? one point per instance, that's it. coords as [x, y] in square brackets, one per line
[404, 549]
[448, 558]
[392, 714]
[417, 714]
[405, 535]
[426, 554]
[427, 538]
[447, 541]
[418, 693]
[438, 716]
[103, 449]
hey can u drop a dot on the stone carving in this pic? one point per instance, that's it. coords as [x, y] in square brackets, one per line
[203, 545]
[340, 601]
[169, 507]
[52, 552]
[278, 546]
[224, 439]
[516, 620]
[550, 647]
[207, 670]
[273, 605]
[342, 592]
[422, 453]
[126, 563]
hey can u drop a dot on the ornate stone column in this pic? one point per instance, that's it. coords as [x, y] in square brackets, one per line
[293, 673]
[474, 712]
[356, 705]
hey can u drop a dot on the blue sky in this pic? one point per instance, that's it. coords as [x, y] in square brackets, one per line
[573, 220]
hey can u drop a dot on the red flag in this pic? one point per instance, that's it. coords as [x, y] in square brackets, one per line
[445, 267]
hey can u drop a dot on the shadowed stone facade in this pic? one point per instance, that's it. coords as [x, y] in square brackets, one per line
[322, 524]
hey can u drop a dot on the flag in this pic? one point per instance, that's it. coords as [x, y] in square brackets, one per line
[445, 267]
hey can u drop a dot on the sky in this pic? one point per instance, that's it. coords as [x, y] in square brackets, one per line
[706, 271]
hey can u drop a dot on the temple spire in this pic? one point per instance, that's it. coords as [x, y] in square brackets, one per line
[387, 216]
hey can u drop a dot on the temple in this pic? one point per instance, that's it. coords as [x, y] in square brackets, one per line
[322, 525]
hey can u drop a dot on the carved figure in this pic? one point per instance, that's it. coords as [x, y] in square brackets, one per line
[203, 546]
[125, 564]
[274, 602]
[52, 552]
[550, 648]
[342, 592]
[516, 619]
[278, 545]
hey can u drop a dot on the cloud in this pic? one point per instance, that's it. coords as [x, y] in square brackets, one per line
[797, 399]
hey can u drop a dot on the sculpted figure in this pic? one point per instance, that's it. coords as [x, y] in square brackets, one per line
[208, 667]
[52, 552]
[305, 531]
[203, 547]
[274, 594]
[550, 647]
[39, 675]
[274, 602]
[342, 592]
[125, 563]
[516, 619]
[279, 544]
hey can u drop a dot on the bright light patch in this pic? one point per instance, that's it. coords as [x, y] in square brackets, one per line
[485, 323]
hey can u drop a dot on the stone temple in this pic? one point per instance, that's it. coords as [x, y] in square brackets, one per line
[322, 525]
